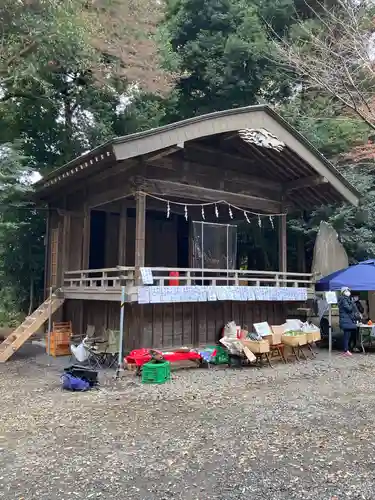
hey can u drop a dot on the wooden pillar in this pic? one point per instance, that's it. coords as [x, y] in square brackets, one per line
[108, 241]
[65, 246]
[283, 262]
[140, 232]
[86, 238]
[47, 246]
[122, 235]
[301, 254]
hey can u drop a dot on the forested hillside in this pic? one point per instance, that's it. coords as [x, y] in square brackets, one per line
[77, 72]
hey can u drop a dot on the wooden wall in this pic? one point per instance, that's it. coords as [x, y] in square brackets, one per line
[112, 240]
[170, 325]
[75, 243]
[161, 241]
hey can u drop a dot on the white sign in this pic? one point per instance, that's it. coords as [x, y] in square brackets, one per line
[170, 294]
[263, 329]
[331, 297]
[146, 275]
[144, 295]
[155, 294]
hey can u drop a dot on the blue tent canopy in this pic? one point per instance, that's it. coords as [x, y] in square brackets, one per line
[360, 277]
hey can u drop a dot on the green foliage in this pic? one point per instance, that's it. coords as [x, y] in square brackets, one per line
[21, 232]
[323, 123]
[220, 49]
[60, 91]
[354, 226]
[38, 37]
[59, 95]
[335, 134]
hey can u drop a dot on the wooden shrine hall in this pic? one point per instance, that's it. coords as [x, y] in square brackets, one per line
[160, 208]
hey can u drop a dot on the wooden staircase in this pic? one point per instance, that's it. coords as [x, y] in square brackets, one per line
[31, 325]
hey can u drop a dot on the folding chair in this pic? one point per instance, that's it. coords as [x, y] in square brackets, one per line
[96, 357]
[112, 349]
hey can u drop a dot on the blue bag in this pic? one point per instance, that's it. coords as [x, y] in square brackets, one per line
[70, 383]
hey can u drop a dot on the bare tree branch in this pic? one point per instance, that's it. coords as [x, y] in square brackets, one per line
[335, 54]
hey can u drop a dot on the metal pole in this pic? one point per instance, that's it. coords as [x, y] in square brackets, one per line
[49, 322]
[330, 332]
[203, 282]
[121, 340]
[227, 254]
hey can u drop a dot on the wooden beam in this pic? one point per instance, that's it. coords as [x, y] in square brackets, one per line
[186, 191]
[186, 168]
[115, 169]
[122, 235]
[162, 153]
[230, 158]
[110, 195]
[283, 263]
[140, 233]
[47, 245]
[310, 181]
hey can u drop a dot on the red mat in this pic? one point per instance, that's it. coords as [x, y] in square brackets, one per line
[141, 356]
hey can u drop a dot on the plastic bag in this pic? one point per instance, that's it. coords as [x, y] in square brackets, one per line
[79, 352]
[309, 328]
[230, 330]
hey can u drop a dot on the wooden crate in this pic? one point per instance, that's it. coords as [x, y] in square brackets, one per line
[59, 350]
[294, 341]
[313, 337]
[257, 346]
[59, 341]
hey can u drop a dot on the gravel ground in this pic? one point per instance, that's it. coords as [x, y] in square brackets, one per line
[301, 431]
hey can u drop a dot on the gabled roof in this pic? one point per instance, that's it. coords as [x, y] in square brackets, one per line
[299, 159]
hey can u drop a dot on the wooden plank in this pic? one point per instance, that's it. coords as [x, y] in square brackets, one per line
[76, 242]
[185, 191]
[161, 153]
[30, 326]
[310, 181]
[118, 192]
[189, 171]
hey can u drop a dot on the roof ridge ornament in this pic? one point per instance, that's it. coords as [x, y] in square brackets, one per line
[261, 137]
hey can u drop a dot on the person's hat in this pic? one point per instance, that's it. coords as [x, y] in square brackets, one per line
[344, 289]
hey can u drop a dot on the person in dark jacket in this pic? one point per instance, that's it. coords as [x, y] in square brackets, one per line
[348, 317]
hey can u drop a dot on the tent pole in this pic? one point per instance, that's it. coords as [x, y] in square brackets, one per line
[330, 332]
[120, 363]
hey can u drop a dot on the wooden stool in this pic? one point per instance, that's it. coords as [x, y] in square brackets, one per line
[297, 351]
[279, 349]
[309, 347]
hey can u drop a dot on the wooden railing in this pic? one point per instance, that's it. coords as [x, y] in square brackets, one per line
[109, 278]
[113, 278]
[217, 277]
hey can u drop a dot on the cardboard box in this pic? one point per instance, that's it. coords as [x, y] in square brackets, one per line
[277, 333]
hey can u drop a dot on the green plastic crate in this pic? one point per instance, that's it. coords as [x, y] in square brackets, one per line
[156, 373]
